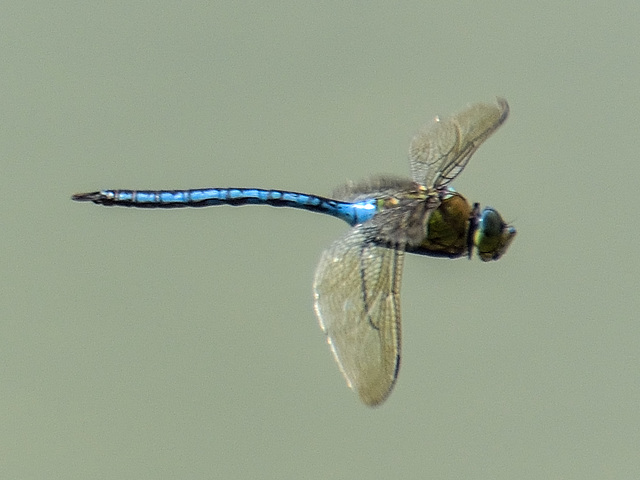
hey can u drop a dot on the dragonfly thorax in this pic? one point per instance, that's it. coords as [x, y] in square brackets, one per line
[456, 227]
[447, 229]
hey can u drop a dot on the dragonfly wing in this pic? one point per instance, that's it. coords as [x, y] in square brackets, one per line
[357, 302]
[404, 225]
[441, 150]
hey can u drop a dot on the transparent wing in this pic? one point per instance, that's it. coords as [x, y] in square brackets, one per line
[357, 301]
[441, 150]
[405, 224]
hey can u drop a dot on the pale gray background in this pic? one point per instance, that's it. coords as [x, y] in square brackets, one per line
[182, 344]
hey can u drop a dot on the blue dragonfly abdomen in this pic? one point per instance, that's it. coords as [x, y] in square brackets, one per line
[352, 213]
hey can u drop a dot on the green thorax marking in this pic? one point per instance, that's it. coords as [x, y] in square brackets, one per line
[447, 232]
[448, 228]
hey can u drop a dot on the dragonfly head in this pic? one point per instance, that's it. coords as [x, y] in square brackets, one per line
[491, 236]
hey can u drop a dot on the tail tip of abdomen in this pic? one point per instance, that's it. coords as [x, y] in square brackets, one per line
[95, 197]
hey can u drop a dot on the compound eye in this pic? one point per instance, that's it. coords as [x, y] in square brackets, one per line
[493, 236]
[491, 223]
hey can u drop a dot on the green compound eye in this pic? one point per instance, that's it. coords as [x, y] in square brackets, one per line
[493, 236]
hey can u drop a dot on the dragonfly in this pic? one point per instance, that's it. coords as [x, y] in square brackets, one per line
[356, 286]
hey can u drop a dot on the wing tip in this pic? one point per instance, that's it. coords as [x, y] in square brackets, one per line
[504, 109]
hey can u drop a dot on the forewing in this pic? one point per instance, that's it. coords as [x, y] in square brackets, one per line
[357, 301]
[441, 150]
